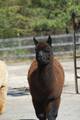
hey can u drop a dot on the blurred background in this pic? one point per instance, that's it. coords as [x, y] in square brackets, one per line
[20, 20]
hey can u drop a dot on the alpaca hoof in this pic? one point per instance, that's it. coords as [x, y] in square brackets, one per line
[41, 116]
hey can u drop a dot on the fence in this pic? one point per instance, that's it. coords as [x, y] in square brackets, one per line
[14, 48]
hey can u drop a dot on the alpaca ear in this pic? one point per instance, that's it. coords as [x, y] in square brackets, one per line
[35, 41]
[49, 41]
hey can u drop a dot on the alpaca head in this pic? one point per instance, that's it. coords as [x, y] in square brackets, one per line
[43, 51]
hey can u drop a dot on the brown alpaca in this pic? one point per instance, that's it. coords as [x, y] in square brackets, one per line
[46, 79]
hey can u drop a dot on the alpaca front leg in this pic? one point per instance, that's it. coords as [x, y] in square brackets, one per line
[2, 106]
[52, 115]
[41, 115]
[3, 95]
[39, 110]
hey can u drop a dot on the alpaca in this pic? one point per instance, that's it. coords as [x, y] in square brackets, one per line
[3, 86]
[46, 80]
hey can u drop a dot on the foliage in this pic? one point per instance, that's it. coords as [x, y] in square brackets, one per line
[35, 17]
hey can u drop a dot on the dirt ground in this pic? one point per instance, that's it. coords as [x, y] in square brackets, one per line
[19, 104]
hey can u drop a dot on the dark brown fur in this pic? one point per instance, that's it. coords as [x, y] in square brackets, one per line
[46, 83]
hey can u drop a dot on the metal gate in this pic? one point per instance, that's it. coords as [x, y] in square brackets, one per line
[76, 28]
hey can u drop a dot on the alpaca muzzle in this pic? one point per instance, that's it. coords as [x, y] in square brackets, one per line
[42, 58]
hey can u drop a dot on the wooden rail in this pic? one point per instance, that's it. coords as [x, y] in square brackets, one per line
[24, 47]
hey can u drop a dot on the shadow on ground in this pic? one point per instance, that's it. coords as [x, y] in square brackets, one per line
[18, 91]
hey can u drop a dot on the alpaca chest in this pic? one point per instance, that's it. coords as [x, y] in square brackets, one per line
[41, 83]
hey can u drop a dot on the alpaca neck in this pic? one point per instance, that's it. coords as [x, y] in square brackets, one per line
[46, 69]
[46, 75]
